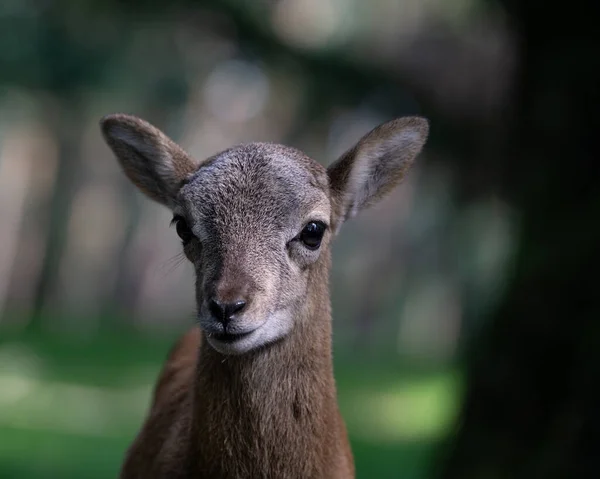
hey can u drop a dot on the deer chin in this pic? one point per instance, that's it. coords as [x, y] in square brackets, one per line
[238, 341]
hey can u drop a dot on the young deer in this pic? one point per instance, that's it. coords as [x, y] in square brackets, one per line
[250, 393]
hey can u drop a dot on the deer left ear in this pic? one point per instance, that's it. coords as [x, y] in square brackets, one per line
[150, 159]
[375, 165]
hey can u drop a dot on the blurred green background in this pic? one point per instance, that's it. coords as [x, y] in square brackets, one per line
[442, 295]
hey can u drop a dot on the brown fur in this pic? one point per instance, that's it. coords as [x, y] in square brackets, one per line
[268, 410]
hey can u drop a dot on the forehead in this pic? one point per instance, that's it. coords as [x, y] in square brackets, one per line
[257, 179]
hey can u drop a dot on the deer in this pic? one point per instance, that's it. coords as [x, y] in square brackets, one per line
[249, 391]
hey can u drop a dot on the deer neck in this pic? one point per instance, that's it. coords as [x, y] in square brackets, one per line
[273, 412]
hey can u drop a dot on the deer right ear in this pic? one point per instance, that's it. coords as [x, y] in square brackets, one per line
[150, 159]
[375, 165]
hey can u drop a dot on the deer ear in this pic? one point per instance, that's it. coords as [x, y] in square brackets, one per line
[377, 163]
[151, 160]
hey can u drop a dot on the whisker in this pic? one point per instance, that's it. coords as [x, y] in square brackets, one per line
[172, 264]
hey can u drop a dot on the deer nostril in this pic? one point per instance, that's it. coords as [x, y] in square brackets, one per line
[236, 307]
[224, 312]
[216, 309]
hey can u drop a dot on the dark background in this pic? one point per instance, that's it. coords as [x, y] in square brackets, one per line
[466, 324]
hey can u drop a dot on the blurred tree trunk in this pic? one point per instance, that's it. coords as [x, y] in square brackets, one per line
[67, 123]
[121, 297]
[533, 385]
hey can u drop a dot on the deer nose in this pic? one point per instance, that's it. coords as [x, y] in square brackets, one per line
[224, 312]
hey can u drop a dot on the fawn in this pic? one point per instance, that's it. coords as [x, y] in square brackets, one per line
[250, 392]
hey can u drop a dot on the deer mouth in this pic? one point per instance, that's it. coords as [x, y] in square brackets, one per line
[236, 339]
[230, 337]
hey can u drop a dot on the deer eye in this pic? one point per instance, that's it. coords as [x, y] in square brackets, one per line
[312, 234]
[182, 228]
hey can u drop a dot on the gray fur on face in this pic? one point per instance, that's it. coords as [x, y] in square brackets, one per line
[246, 207]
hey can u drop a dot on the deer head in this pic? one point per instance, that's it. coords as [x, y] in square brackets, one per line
[256, 220]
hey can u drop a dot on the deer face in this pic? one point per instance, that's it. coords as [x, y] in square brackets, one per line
[255, 219]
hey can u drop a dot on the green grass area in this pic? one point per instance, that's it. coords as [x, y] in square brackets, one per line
[70, 407]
